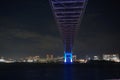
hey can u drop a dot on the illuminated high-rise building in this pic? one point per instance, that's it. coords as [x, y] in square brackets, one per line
[68, 15]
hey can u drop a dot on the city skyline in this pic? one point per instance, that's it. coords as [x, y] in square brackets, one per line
[50, 58]
[28, 28]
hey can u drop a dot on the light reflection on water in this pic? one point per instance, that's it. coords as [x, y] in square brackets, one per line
[57, 72]
[76, 73]
[68, 72]
[112, 79]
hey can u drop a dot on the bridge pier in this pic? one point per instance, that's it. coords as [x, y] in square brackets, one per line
[68, 57]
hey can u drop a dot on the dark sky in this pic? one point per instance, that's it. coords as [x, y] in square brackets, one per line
[27, 27]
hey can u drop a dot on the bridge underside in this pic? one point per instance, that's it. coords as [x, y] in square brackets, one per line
[68, 14]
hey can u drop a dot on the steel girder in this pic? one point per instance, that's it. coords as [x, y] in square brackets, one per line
[68, 15]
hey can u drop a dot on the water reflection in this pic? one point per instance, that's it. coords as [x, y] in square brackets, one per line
[68, 72]
[112, 79]
[76, 72]
[57, 72]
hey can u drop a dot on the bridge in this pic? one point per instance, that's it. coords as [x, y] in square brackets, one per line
[68, 15]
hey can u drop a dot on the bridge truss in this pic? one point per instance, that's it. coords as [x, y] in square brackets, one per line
[68, 15]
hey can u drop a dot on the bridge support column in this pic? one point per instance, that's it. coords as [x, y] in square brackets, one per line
[68, 57]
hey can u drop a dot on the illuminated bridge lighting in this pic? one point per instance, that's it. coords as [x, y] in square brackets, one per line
[68, 15]
[68, 57]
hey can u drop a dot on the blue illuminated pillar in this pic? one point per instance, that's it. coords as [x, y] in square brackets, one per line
[68, 57]
[68, 45]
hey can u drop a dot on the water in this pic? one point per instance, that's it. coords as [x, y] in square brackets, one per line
[27, 71]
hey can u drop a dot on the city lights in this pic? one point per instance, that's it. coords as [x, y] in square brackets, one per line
[68, 58]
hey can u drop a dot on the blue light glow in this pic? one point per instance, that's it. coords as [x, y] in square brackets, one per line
[68, 58]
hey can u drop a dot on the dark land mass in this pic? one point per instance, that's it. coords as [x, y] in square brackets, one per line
[93, 70]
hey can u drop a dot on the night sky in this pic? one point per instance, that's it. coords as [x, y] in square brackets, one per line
[27, 27]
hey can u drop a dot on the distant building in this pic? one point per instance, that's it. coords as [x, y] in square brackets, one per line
[32, 59]
[95, 58]
[43, 60]
[2, 60]
[74, 57]
[6, 61]
[59, 59]
[82, 60]
[36, 58]
[111, 57]
[49, 57]
[87, 57]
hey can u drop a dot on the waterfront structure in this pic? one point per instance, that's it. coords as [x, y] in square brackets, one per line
[96, 58]
[74, 57]
[2, 60]
[111, 57]
[68, 15]
[49, 57]
[31, 59]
